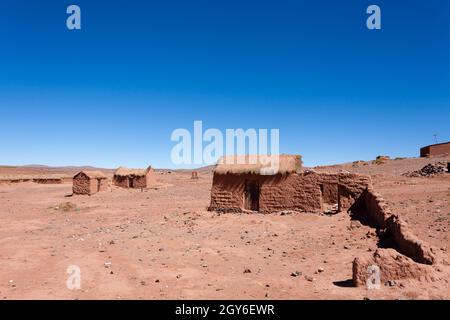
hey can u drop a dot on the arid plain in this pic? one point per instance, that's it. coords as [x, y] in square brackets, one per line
[163, 243]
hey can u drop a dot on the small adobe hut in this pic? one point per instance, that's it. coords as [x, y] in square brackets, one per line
[134, 178]
[89, 182]
[239, 187]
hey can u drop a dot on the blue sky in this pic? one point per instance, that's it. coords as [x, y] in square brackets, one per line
[112, 93]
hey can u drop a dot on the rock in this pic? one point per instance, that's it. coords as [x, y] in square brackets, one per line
[393, 266]
[321, 270]
[247, 271]
[354, 224]
[296, 274]
[391, 283]
[310, 279]
[428, 171]
[108, 265]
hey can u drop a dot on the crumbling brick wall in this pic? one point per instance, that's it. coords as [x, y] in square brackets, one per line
[373, 207]
[48, 181]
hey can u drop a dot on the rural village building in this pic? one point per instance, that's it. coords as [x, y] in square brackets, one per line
[241, 187]
[435, 150]
[134, 178]
[89, 182]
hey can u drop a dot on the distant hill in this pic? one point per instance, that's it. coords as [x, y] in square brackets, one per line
[43, 169]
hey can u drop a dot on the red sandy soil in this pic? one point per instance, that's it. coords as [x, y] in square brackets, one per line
[162, 243]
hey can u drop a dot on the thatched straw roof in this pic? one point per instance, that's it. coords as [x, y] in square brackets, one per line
[259, 164]
[126, 172]
[93, 174]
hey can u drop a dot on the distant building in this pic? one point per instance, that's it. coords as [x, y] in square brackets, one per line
[435, 150]
[89, 182]
[134, 178]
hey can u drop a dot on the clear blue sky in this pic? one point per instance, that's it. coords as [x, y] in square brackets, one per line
[112, 93]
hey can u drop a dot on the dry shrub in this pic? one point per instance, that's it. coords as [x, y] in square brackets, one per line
[66, 207]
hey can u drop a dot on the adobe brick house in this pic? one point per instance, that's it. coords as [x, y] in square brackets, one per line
[435, 150]
[241, 188]
[89, 182]
[134, 178]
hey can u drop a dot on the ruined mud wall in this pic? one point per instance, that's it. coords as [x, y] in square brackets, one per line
[305, 192]
[48, 181]
[392, 266]
[376, 209]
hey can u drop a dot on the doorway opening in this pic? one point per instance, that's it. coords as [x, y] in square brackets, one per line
[251, 196]
[131, 182]
[330, 197]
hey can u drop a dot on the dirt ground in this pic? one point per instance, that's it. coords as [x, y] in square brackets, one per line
[162, 243]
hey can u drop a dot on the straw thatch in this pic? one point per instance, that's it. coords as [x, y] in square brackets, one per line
[258, 164]
[126, 172]
[93, 174]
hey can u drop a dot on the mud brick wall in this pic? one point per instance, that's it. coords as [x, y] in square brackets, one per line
[48, 181]
[140, 182]
[227, 193]
[84, 185]
[305, 192]
[350, 188]
[120, 181]
[292, 193]
[81, 185]
[408, 243]
[103, 184]
[377, 211]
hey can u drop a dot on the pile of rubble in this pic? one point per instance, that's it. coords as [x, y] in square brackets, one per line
[428, 171]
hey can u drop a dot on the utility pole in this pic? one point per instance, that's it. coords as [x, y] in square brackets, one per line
[435, 137]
